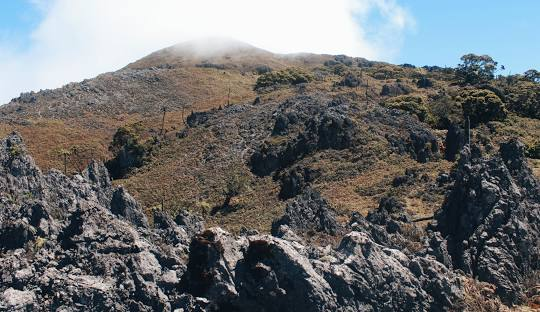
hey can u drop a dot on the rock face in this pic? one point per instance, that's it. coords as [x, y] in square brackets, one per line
[77, 243]
[264, 273]
[308, 211]
[491, 219]
[454, 142]
[320, 128]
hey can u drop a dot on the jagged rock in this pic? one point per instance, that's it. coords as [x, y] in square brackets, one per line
[308, 211]
[491, 219]
[421, 144]
[454, 142]
[295, 180]
[18, 300]
[66, 250]
[266, 273]
[123, 204]
[389, 214]
[328, 129]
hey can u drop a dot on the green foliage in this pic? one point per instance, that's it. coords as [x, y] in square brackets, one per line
[524, 99]
[412, 104]
[15, 151]
[289, 76]
[482, 106]
[476, 69]
[445, 111]
[127, 149]
[533, 151]
[532, 75]
[235, 185]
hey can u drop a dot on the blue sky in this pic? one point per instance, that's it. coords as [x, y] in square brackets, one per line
[48, 43]
[509, 31]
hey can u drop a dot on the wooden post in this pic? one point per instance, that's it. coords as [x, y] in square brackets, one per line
[162, 131]
[229, 97]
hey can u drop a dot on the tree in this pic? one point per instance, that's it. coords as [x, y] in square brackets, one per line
[476, 69]
[235, 185]
[128, 152]
[532, 75]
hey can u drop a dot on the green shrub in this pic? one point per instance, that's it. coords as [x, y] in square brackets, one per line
[482, 106]
[533, 151]
[524, 99]
[289, 76]
[127, 149]
[412, 104]
[445, 111]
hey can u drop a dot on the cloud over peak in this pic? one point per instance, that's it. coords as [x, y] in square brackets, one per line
[79, 39]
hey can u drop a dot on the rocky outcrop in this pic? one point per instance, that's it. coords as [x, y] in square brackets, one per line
[295, 180]
[491, 219]
[455, 140]
[263, 273]
[78, 243]
[320, 129]
[308, 212]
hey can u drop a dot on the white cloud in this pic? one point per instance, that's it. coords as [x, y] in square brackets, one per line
[79, 39]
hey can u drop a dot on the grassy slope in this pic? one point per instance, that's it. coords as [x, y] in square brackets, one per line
[183, 175]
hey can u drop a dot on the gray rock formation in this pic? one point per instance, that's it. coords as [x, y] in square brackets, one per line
[491, 219]
[76, 243]
[308, 212]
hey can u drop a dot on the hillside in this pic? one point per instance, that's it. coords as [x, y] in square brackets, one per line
[253, 141]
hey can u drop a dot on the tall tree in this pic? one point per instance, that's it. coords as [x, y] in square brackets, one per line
[475, 69]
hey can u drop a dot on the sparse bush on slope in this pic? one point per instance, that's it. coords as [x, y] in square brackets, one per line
[482, 106]
[289, 76]
[128, 151]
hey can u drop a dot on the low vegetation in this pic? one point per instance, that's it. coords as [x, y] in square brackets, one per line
[289, 76]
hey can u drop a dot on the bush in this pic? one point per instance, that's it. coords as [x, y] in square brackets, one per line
[482, 106]
[289, 76]
[524, 99]
[445, 111]
[128, 152]
[424, 82]
[533, 151]
[263, 69]
[412, 104]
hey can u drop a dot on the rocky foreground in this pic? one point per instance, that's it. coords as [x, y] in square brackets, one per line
[79, 243]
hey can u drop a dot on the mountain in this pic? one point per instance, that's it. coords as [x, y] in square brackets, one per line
[291, 161]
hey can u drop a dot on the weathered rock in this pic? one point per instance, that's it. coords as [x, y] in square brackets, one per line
[295, 180]
[308, 212]
[491, 219]
[266, 273]
[350, 80]
[454, 142]
[197, 118]
[323, 129]
[124, 205]
[64, 249]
